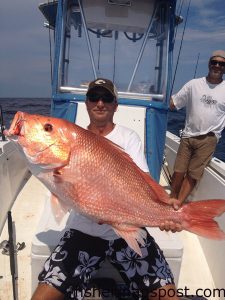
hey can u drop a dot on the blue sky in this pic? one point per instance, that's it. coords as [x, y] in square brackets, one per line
[205, 32]
[24, 47]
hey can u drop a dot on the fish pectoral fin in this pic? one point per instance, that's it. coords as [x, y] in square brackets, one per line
[58, 208]
[132, 235]
[63, 174]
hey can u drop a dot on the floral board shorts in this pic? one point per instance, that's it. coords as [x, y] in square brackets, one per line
[78, 256]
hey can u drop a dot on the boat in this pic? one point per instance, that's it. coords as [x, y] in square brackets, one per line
[131, 43]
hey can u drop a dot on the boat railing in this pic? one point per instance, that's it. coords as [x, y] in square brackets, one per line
[128, 95]
[216, 167]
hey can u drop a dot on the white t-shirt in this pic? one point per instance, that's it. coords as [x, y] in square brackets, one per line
[205, 107]
[131, 143]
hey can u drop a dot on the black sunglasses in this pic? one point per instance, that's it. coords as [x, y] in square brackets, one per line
[216, 62]
[106, 98]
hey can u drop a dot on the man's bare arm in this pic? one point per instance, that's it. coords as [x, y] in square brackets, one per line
[172, 105]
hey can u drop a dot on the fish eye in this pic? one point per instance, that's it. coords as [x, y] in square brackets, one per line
[48, 127]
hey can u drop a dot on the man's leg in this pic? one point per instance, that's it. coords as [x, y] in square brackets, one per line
[69, 269]
[203, 148]
[147, 277]
[186, 188]
[47, 292]
[176, 183]
[180, 166]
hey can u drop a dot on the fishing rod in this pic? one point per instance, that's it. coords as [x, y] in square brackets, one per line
[2, 126]
[165, 166]
[166, 171]
[196, 66]
[12, 255]
[181, 44]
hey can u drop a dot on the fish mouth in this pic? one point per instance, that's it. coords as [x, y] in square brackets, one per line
[16, 133]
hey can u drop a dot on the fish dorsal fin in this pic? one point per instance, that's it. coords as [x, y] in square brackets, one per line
[161, 194]
[157, 188]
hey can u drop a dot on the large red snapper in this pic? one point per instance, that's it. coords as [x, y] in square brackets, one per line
[90, 174]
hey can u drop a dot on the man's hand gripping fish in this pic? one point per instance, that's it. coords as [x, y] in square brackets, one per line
[93, 176]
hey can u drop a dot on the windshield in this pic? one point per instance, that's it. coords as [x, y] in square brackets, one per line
[125, 41]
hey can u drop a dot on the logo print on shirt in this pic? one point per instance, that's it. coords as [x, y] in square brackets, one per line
[208, 101]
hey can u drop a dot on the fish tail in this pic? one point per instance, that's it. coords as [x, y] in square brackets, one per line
[198, 218]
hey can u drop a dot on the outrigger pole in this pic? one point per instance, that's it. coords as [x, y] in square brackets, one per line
[196, 66]
[2, 127]
[12, 255]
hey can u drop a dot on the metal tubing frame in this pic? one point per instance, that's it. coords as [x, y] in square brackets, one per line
[87, 38]
[142, 48]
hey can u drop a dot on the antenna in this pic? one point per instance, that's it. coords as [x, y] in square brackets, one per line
[196, 66]
[181, 44]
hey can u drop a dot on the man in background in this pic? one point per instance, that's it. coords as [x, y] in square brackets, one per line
[204, 100]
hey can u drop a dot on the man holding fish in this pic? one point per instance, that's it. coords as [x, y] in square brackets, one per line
[86, 243]
[101, 174]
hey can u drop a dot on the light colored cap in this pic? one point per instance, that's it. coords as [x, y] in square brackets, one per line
[220, 53]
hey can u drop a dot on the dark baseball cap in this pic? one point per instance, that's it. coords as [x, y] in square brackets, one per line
[104, 83]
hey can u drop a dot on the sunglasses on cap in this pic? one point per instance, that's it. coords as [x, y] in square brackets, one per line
[106, 97]
[214, 62]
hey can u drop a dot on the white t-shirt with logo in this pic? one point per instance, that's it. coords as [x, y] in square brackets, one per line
[205, 107]
[131, 143]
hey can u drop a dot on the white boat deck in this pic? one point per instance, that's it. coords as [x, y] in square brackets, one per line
[26, 214]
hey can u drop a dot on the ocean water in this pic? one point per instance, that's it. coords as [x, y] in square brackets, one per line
[42, 106]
